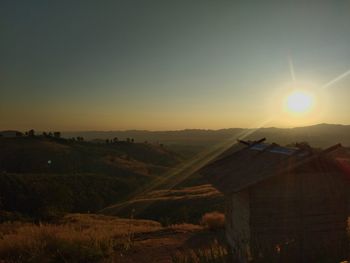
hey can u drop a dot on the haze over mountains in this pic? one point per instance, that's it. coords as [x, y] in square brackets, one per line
[320, 135]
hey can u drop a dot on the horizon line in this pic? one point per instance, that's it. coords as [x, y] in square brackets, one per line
[178, 130]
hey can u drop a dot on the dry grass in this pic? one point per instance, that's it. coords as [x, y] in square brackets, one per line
[216, 253]
[80, 238]
[185, 227]
[175, 194]
[171, 206]
[213, 220]
[200, 190]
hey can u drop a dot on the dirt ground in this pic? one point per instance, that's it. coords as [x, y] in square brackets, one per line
[160, 246]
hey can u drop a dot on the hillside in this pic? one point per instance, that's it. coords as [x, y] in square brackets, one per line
[40, 176]
[49, 155]
[44, 177]
[187, 204]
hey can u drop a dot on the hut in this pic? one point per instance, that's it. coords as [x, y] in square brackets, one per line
[289, 204]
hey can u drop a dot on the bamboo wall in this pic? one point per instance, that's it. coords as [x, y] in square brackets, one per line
[237, 225]
[299, 217]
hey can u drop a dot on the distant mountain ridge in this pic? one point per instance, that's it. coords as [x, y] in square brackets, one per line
[319, 135]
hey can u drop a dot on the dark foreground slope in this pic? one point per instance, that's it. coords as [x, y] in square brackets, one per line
[40, 176]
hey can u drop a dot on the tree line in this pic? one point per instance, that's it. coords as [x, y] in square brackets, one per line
[58, 135]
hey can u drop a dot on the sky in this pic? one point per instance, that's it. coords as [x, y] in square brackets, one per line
[169, 65]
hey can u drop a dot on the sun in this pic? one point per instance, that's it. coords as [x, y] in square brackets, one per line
[299, 102]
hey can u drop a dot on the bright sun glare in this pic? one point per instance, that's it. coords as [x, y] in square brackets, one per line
[299, 102]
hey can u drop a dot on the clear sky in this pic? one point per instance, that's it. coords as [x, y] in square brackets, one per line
[160, 65]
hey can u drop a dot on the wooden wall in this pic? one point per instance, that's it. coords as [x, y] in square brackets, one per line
[237, 225]
[299, 217]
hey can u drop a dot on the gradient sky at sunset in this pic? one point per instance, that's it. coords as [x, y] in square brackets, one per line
[160, 65]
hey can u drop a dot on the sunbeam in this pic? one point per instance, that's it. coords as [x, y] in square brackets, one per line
[291, 68]
[183, 171]
[340, 77]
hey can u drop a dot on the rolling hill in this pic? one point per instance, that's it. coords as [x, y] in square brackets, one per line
[42, 176]
[50, 155]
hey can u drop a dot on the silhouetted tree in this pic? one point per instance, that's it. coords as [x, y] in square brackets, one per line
[107, 141]
[57, 134]
[115, 139]
[130, 140]
[31, 133]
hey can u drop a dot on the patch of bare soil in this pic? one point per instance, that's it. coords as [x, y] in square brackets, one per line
[159, 246]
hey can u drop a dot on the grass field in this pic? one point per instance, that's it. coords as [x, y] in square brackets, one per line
[97, 238]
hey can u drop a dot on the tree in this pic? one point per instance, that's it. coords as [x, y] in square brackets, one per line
[115, 139]
[57, 134]
[31, 133]
[19, 134]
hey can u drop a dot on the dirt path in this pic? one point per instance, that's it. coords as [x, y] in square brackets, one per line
[160, 246]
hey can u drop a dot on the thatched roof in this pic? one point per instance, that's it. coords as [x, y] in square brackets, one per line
[251, 163]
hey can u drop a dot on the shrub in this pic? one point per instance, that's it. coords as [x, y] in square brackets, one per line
[213, 220]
